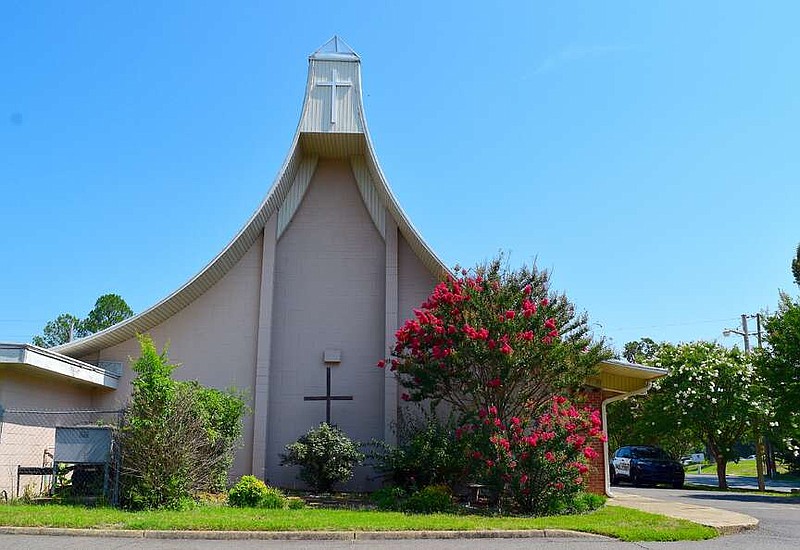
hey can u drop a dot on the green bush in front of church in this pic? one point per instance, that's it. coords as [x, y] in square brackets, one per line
[178, 438]
[427, 452]
[251, 492]
[326, 456]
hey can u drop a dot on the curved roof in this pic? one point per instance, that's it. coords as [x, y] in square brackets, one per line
[332, 124]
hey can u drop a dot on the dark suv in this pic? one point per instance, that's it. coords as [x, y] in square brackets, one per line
[645, 464]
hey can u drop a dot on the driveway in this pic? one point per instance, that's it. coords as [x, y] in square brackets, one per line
[779, 517]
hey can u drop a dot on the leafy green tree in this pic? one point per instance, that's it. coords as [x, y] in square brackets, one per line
[640, 420]
[109, 309]
[58, 331]
[179, 437]
[779, 366]
[640, 351]
[711, 391]
[796, 266]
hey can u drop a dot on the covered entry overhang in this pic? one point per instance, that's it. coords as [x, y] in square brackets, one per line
[33, 359]
[619, 380]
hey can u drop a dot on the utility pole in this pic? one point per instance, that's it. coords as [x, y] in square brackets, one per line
[744, 333]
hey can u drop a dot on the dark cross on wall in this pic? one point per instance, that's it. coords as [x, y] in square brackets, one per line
[328, 397]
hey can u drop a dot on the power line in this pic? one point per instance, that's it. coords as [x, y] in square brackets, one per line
[686, 323]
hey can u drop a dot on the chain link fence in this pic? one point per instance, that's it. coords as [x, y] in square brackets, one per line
[70, 454]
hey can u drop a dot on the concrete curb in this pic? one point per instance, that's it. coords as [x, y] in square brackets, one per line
[300, 535]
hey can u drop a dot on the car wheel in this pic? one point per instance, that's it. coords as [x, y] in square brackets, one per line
[614, 479]
[677, 484]
[635, 480]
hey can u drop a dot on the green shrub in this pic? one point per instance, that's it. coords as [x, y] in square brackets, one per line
[586, 502]
[178, 438]
[251, 492]
[389, 498]
[430, 500]
[326, 456]
[427, 453]
[296, 503]
[248, 492]
[274, 499]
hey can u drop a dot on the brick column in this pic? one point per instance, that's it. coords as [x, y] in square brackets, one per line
[593, 398]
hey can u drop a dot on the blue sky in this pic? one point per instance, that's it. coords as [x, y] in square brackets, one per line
[647, 153]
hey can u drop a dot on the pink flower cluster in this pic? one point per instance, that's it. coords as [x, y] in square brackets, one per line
[551, 453]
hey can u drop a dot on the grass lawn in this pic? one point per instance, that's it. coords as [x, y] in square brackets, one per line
[614, 521]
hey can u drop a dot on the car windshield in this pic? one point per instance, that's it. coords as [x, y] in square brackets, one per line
[649, 452]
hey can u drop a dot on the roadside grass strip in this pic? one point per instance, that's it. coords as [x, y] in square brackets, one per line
[612, 521]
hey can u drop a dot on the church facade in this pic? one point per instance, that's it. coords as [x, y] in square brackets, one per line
[299, 306]
[307, 297]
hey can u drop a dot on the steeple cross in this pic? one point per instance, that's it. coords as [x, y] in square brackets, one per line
[328, 397]
[333, 83]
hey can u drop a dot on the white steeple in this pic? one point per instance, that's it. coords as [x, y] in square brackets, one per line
[335, 49]
[333, 92]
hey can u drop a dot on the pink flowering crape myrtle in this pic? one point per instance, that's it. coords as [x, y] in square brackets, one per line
[537, 466]
[497, 345]
[494, 337]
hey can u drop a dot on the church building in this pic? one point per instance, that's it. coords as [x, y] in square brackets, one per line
[295, 310]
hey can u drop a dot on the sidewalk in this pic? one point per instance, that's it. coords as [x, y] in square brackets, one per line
[724, 521]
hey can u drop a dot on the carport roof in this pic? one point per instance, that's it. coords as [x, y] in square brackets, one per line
[33, 359]
[622, 377]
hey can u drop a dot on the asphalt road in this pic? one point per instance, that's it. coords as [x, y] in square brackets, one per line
[779, 528]
[743, 482]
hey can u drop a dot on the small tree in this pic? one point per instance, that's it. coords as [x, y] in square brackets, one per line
[108, 310]
[497, 345]
[326, 456]
[711, 391]
[179, 437]
[779, 366]
[59, 331]
[495, 338]
[641, 419]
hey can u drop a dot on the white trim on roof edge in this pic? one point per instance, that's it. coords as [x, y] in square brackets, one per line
[48, 362]
[341, 143]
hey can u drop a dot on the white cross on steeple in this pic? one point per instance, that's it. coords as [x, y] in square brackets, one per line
[333, 83]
